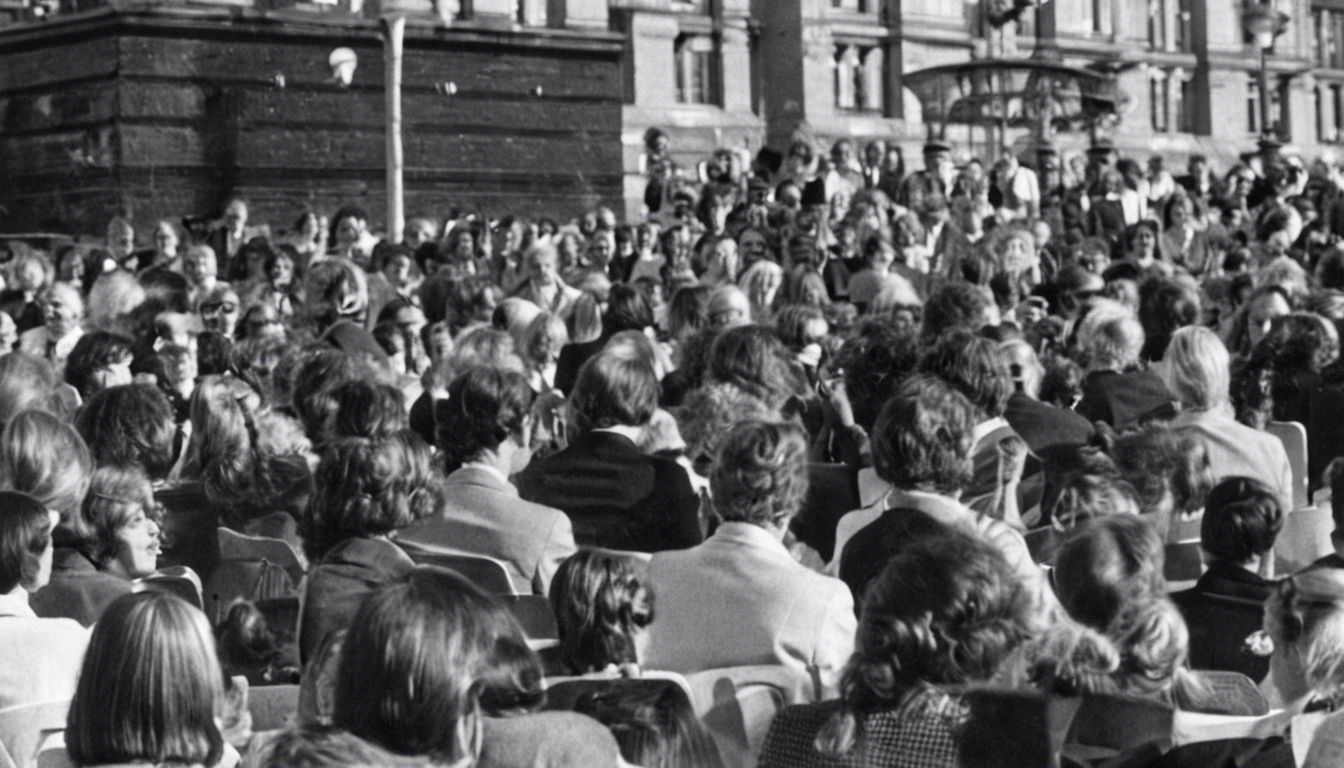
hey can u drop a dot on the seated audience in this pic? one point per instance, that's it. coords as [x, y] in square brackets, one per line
[615, 495]
[740, 598]
[150, 689]
[42, 656]
[364, 490]
[484, 433]
[1242, 517]
[943, 613]
[602, 611]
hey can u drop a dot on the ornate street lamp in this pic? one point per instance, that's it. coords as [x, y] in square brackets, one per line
[1264, 23]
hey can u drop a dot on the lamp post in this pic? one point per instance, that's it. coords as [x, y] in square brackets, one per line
[1264, 23]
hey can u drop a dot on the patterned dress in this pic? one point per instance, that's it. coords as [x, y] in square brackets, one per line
[921, 733]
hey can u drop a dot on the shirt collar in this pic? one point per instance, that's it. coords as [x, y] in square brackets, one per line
[16, 605]
[751, 535]
[488, 469]
[942, 508]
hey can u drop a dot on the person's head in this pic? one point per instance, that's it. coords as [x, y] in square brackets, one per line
[1024, 366]
[487, 409]
[367, 487]
[1265, 303]
[150, 688]
[25, 543]
[32, 271]
[1108, 566]
[601, 607]
[98, 361]
[876, 360]
[543, 263]
[369, 409]
[760, 474]
[335, 289]
[958, 305]
[316, 379]
[220, 309]
[1305, 619]
[973, 366]
[348, 226]
[1110, 337]
[44, 457]
[922, 438]
[200, 264]
[1168, 468]
[129, 426]
[261, 320]
[729, 306]
[62, 309]
[1242, 518]
[614, 391]
[688, 312]
[424, 658]
[944, 612]
[543, 338]
[753, 359]
[26, 382]
[235, 216]
[584, 322]
[1196, 368]
[627, 310]
[121, 509]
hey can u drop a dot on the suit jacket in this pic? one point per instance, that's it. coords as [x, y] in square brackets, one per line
[1123, 399]
[338, 584]
[616, 495]
[1046, 427]
[77, 590]
[741, 599]
[42, 656]
[572, 357]
[1221, 610]
[1106, 219]
[1236, 450]
[481, 514]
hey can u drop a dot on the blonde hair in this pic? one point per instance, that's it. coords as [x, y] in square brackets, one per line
[1196, 368]
[44, 457]
[1110, 336]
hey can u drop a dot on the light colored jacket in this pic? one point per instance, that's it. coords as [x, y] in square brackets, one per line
[741, 599]
[42, 657]
[1236, 450]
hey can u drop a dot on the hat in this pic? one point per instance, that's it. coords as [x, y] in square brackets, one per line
[1102, 146]
[934, 146]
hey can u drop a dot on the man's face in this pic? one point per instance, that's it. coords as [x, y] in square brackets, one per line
[842, 154]
[121, 241]
[165, 238]
[542, 267]
[397, 270]
[62, 312]
[349, 230]
[235, 216]
[418, 234]
[221, 313]
[1198, 166]
[282, 272]
[200, 266]
[872, 155]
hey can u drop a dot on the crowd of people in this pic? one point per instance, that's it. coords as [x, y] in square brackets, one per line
[895, 434]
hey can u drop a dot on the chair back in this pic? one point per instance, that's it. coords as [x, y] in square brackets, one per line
[1294, 438]
[1230, 693]
[317, 684]
[175, 580]
[24, 729]
[533, 613]
[1106, 725]
[251, 568]
[273, 706]
[1304, 538]
[1040, 542]
[737, 704]
[1014, 727]
[487, 573]
[1184, 564]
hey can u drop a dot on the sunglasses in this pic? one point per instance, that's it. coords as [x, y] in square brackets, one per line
[227, 307]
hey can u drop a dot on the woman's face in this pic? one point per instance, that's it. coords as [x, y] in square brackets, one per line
[71, 268]
[348, 231]
[465, 249]
[282, 273]
[1144, 243]
[165, 239]
[397, 270]
[753, 247]
[1180, 214]
[1261, 314]
[138, 545]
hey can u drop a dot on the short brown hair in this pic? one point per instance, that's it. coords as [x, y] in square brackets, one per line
[760, 475]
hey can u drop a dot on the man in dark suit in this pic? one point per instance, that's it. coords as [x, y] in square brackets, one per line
[1116, 390]
[227, 239]
[627, 310]
[1198, 183]
[615, 494]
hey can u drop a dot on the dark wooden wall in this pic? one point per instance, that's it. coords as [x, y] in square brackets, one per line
[159, 115]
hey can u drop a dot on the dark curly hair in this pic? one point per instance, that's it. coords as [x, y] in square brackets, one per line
[484, 407]
[369, 409]
[876, 359]
[922, 439]
[614, 390]
[956, 306]
[1162, 463]
[1242, 518]
[599, 605]
[753, 358]
[944, 612]
[367, 487]
[93, 351]
[760, 473]
[129, 426]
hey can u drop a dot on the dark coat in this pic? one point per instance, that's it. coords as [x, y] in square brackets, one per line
[338, 584]
[1223, 608]
[77, 590]
[1124, 399]
[616, 495]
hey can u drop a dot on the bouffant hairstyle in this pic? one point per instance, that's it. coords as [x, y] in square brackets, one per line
[599, 606]
[367, 487]
[316, 379]
[44, 457]
[1159, 460]
[709, 413]
[93, 351]
[423, 658]
[956, 306]
[1109, 565]
[760, 473]
[1242, 518]
[369, 409]
[974, 367]
[150, 687]
[484, 407]
[923, 437]
[115, 494]
[753, 359]
[614, 390]
[944, 612]
[130, 426]
[1196, 368]
[25, 534]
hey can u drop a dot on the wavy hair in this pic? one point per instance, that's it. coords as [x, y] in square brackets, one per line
[600, 606]
[44, 457]
[760, 473]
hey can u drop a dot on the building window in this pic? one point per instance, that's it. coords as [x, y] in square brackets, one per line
[1183, 104]
[1333, 110]
[1157, 25]
[695, 69]
[1252, 105]
[859, 75]
[1159, 109]
[1184, 33]
[1101, 16]
[1328, 40]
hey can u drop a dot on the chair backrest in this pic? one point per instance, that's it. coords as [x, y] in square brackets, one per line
[1119, 723]
[1230, 693]
[177, 580]
[485, 572]
[241, 547]
[533, 613]
[273, 706]
[737, 704]
[1294, 438]
[1305, 537]
[251, 568]
[1040, 541]
[1185, 528]
[25, 727]
[1014, 727]
[1184, 563]
[871, 487]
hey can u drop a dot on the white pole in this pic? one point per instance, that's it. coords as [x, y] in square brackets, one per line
[394, 32]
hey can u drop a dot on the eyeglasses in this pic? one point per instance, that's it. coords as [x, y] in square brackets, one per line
[227, 307]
